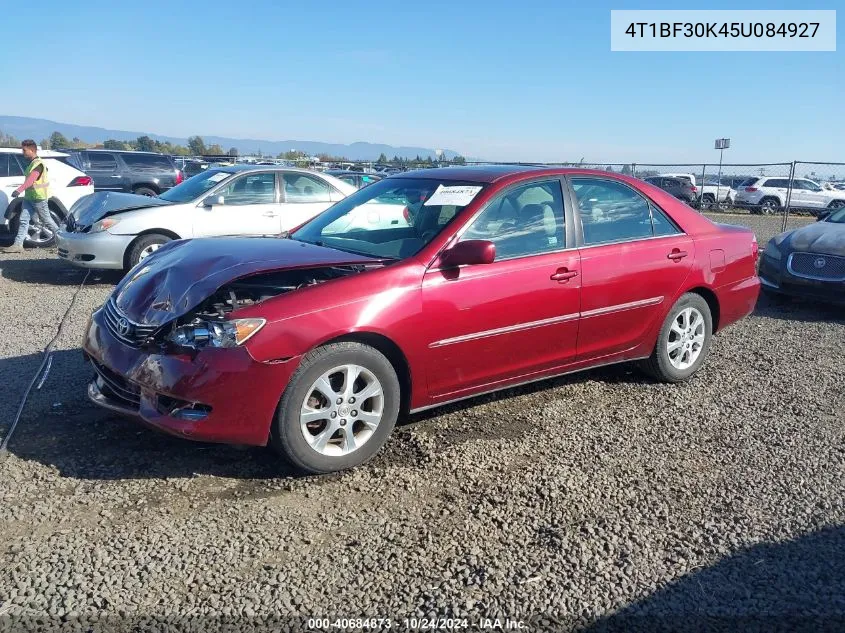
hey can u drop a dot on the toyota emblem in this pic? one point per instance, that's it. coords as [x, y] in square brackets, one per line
[820, 262]
[123, 327]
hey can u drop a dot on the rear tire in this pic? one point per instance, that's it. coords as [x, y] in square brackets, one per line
[307, 429]
[143, 247]
[146, 191]
[29, 242]
[707, 201]
[683, 341]
[769, 206]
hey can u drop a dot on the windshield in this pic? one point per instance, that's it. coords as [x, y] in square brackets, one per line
[837, 216]
[195, 186]
[393, 218]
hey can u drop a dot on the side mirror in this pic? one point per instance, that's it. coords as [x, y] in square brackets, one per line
[821, 217]
[469, 253]
[210, 201]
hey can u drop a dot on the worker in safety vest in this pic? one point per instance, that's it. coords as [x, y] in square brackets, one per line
[36, 190]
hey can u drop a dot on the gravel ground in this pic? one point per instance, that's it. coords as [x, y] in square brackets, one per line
[601, 501]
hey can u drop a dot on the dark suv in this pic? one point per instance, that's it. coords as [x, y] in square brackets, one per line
[144, 173]
[681, 188]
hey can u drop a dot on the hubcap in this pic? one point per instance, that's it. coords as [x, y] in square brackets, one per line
[686, 338]
[152, 248]
[342, 410]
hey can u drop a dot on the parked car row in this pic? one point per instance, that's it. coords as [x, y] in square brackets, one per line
[767, 195]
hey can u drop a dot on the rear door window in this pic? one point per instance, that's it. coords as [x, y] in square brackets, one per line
[611, 211]
[147, 162]
[301, 188]
[10, 167]
[102, 162]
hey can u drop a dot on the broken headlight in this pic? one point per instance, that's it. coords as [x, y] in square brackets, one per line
[215, 333]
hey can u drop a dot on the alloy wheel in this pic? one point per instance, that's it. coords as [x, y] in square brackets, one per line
[686, 338]
[342, 410]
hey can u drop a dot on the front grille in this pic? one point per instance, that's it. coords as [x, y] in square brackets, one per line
[117, 386]
[816, 266]
[126, 331]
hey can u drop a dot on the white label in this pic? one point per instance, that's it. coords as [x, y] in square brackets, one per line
[723, 30]
[458, 196]
[220, 175]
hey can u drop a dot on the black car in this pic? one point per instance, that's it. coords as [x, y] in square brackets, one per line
[681, 188]
[355, 178]
[144, 173]
[809, 261]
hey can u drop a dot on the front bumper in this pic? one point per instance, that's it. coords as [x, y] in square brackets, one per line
[216, 395]
[93, 250]
[775, 277]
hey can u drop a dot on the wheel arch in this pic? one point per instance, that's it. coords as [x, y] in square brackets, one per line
[391, 351]
[712, 302]
[146, 185]
[145, 232]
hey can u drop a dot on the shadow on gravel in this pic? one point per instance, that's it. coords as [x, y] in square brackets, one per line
[52, 271]
[796, 585]
[60, 428]
[794, 309]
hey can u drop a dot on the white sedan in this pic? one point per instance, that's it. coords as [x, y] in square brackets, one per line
[117, 230]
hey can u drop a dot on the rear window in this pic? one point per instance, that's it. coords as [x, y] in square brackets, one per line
[148, 162]
[776, 182]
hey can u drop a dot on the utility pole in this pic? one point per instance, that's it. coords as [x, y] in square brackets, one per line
[721, 144]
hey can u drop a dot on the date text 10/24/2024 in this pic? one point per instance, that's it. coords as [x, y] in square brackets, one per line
[415, 624]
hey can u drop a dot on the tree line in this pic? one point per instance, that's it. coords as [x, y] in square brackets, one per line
[196, 147]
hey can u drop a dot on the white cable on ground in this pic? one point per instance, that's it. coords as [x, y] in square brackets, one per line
[46, 362]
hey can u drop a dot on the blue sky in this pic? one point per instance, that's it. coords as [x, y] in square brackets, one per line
[523, 80]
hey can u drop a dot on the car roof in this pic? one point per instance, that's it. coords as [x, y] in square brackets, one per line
[349, 172]
[117, 151]
[42, 153]
[495, 173]
[237, 169]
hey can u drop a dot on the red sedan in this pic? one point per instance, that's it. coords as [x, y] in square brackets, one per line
[421, 289]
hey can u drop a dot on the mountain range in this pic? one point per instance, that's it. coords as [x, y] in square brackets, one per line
[37, 129]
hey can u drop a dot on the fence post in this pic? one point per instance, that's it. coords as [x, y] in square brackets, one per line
[634, 169]
[788, 197]
[701, 192]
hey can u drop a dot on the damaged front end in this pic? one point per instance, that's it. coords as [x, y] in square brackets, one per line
[210, 323]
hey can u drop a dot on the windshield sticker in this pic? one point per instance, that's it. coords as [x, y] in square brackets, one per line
[458, 196]
[220, 175]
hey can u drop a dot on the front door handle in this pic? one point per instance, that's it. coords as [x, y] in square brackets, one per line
[563, 275]
[270, 214]
[677, 254]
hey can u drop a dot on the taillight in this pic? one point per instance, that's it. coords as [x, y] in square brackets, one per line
[179, 177]
[751, 189]
[81, 181]
[755, 249]
[407, 215]
[693, 188]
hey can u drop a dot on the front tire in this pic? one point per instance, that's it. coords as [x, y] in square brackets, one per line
[338, 409]
[683, 341]
[143, 247]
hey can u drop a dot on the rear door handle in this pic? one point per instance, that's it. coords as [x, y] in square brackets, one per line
[563, 275]
[270, 214]
[677, 255]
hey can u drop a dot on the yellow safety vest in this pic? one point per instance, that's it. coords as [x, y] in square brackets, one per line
[40, 189]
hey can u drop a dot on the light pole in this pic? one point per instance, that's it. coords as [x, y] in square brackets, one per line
[721, 144]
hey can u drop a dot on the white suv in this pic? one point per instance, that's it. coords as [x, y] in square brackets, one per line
[768, 195]
[67, 185]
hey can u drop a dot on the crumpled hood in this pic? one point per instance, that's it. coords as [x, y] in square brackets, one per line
[183, 273]
[98, 205]
[821, 237]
